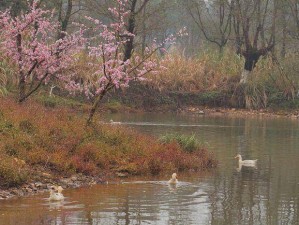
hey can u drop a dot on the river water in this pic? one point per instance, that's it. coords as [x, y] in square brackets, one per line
[266, 195]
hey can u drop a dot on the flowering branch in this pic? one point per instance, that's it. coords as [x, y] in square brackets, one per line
[114, 71]
[27, 40]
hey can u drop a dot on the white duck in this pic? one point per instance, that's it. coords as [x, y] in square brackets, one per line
[173, 179]
[251, 163]
[55, 193]
[115, 123]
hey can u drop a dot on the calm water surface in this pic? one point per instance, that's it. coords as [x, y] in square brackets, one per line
[268, 194]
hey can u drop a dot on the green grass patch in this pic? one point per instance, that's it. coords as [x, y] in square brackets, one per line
[57, 101]
[187, 142]
[114, 106]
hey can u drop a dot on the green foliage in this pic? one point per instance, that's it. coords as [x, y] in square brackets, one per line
[57, 101]
[113, 106]
[188, 143]
[278, 100]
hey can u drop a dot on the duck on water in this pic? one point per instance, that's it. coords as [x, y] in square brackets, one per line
[56, 193]
[173, 179]
[248, 162]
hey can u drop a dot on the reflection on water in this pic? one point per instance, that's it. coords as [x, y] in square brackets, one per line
[265, 194]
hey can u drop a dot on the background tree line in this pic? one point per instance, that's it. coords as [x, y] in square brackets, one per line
[250, 29]
[253, 28]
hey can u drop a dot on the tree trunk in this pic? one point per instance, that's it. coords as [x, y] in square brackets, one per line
[143, 45]
[95, 106]
[221, 51]
[64, 21]
[131, 28]
[22, 78]
[284, 35]
[244, 76]
[22, 87]
[250, 61]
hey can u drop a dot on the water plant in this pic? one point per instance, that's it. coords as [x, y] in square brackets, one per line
[188, 142]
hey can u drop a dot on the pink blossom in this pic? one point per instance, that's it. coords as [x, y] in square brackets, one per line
[28, 41]
[113, 71]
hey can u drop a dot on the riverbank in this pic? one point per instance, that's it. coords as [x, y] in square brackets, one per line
[147, 98]
[242, 113]
[43, 146]
[30, 175]
[44, 182]
[143, 102]
[115, 104]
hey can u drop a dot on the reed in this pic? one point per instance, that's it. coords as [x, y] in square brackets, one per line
[207, 72]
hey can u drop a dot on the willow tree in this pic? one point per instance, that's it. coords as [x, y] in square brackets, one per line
[256, 23]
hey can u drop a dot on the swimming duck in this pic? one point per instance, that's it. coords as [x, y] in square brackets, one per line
[173, 179]
[246, 162]
[115, 123]
[55, 193]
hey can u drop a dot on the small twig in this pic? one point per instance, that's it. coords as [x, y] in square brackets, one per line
[51, 90]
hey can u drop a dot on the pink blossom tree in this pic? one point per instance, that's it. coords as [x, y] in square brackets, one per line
[113, 71]
[29, 41]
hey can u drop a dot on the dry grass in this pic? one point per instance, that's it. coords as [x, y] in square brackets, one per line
[207, 79]
[58, 140]
[272, 82]
[205, 73]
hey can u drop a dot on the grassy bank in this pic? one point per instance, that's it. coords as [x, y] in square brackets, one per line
[35, 138]
[208, 80]
[213, 81]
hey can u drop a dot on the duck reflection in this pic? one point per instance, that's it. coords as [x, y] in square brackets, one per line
[172, 188]
[240, 166]
[56, 205]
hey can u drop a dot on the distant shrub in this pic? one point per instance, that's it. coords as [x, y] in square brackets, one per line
[114, 106]
[56, 101]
